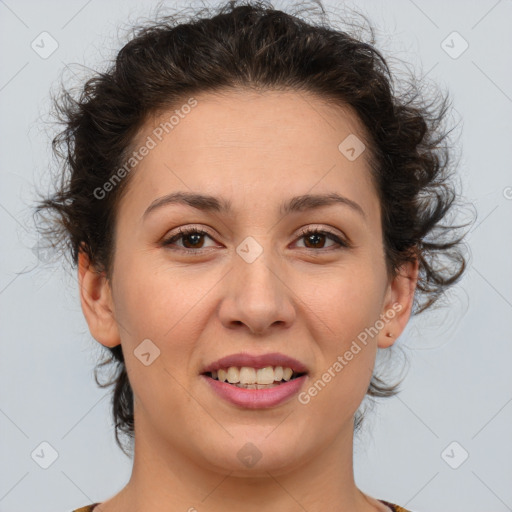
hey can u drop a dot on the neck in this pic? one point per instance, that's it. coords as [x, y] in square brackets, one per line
[166, 479]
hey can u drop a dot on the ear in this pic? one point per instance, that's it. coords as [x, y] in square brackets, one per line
[398, 304]
[97, 304]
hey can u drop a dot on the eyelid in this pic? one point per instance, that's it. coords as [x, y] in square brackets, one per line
[323, 229]
[341, 240]
[183, 231]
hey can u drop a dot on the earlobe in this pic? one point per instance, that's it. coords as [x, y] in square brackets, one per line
[398, 304]
[96, 302]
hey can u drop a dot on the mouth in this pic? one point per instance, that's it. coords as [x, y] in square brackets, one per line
[254, 378]
[255, 388]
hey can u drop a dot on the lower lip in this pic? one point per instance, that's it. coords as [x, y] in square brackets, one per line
[256, 398]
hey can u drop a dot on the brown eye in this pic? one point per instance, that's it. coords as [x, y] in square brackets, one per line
[195, 240]
[314, 238]
[192, 239]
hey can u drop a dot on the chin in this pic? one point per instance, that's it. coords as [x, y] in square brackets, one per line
[256, 453]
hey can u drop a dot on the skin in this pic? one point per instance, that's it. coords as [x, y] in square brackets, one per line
[309, 301]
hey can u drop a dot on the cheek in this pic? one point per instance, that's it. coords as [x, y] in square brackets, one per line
[343, 300]
[167, 306]
[345, 351]
[157, 306]
[341, 311]
[154, 299]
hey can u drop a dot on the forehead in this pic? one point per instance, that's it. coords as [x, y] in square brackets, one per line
[240, 119]
[244, 144]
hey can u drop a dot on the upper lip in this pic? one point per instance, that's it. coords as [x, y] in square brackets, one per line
[256, 361]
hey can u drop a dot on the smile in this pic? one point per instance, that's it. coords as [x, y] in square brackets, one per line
[255, 389]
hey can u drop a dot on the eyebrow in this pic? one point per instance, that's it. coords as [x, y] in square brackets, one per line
[208, 203]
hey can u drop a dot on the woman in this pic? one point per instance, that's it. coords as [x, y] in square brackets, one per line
[253, 213]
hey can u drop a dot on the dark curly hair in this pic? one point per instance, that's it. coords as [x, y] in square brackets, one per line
[252, 45]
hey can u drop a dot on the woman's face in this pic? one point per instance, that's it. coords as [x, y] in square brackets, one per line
[254, 284]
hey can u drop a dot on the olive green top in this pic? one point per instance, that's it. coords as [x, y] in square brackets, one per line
[394, 508]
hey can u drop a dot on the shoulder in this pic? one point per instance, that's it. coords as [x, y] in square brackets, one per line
[394, 508]
[87, 508]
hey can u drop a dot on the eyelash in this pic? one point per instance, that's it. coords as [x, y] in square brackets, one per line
[183, 232]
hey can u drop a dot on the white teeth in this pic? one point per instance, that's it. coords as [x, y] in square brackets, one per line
[256, 386]
[264, 375]
[233, 375]
[287, 373]
[248, 375]
[253, 377]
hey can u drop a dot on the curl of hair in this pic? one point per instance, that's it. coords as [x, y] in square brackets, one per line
[253, 46]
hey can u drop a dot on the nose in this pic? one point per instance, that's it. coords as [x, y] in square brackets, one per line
[257, 298]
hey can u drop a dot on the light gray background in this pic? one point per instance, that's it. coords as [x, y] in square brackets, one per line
[458, 387]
